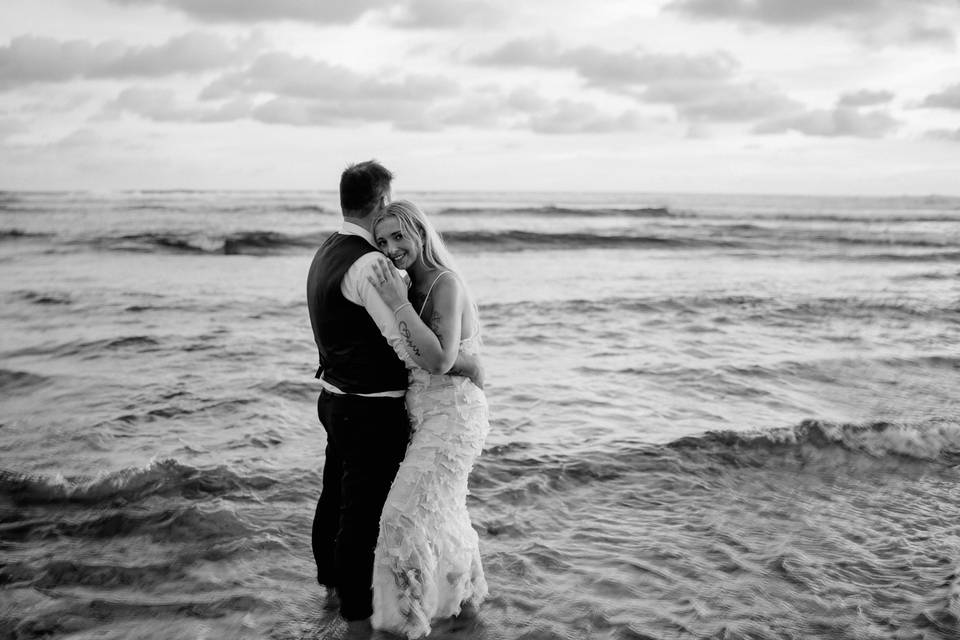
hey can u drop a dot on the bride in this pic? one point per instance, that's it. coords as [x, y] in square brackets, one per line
[427, 561]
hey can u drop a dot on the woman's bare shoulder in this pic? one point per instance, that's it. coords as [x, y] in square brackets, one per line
[448, 286]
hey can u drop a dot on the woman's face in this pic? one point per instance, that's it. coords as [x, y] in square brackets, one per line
[397, 245]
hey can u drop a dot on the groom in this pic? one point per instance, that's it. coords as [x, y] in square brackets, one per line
[363, 383]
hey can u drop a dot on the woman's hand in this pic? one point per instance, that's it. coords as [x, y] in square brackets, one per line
[476, 377]
[388, 282]
[470, 367]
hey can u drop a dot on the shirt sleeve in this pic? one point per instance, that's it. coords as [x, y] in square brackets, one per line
[357, 289]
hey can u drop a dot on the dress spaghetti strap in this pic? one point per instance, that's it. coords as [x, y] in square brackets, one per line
[429, 291]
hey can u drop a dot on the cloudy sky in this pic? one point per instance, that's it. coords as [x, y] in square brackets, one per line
[750, 96]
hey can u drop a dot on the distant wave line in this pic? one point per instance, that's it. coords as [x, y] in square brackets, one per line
[761, 306]
[272, 242]
[752, 239]
[553, 210]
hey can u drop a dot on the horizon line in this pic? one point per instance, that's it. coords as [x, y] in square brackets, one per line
[491, 191]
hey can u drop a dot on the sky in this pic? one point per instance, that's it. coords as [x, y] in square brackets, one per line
[822, 97]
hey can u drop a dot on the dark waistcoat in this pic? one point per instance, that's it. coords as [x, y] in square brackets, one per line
[354, 355]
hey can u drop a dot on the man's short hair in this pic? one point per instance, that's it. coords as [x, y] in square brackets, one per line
[362, 184]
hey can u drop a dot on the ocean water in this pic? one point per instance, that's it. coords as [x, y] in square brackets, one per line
[712, 416]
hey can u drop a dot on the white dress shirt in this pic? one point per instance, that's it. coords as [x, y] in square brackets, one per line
[357, 289]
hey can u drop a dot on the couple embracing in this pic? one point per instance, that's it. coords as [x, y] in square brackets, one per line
[404, 413]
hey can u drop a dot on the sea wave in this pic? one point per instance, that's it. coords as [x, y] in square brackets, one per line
[177, 524]
[274, 243]
[935, 441]
[244, 242]
[296, 390]
[930, 275]
[89, 348]
[302, 208]
[921, 243]
[60, 573]
[18, 234]
[513, 239]
[766, 308]
[811, 446]
[147, 616]
[871, 217]
[162, 478]
[866, 218]
[11, 381]
[738, 236]
[37, 297]
[552, 210]
[256, 242]
[889, 256]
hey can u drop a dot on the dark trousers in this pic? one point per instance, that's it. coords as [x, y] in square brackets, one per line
[366, 441]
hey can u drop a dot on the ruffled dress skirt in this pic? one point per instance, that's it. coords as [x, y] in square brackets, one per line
[427, 562]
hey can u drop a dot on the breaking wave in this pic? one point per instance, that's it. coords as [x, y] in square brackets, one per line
[163, 478]
[935, 441]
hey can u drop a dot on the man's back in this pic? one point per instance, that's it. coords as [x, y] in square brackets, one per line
[354, 356]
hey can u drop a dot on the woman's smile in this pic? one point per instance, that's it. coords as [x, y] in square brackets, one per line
[399, 259]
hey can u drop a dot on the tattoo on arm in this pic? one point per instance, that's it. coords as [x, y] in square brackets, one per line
[408, 337]
[435, 326]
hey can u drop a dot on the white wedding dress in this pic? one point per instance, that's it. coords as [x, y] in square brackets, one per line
[427, 561]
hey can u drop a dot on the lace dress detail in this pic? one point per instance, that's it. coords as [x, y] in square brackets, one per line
[427, 561]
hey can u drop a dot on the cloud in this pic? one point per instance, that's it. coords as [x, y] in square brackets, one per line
[300, 77]
[277, 88]
[29, 59]
[609, 69]
[438, 14]
[948, 98]
[838, 122]
[700, 87]
[80, 139]
[479, 109]
[525, 109]
[952, 135]
[401, 13]
[721, 100]
[249, 11]
[864, 98]
[11, 126]
[781, 12]
[280, 90]
[929, 34]
[304, 112]
[160, 105]
[520, 109]
[918, 21]
[566, 117]
[300, 113]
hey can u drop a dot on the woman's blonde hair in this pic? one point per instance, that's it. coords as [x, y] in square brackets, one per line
[415, 224]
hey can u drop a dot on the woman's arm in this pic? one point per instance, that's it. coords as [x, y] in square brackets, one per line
[434, 347]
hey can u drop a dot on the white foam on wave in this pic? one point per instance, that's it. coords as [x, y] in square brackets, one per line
[132, 483]
[953, 594]
[924, 441]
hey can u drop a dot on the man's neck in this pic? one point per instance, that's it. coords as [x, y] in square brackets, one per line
[364, 223]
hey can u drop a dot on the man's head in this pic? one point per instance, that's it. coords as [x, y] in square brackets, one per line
[364, 189]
